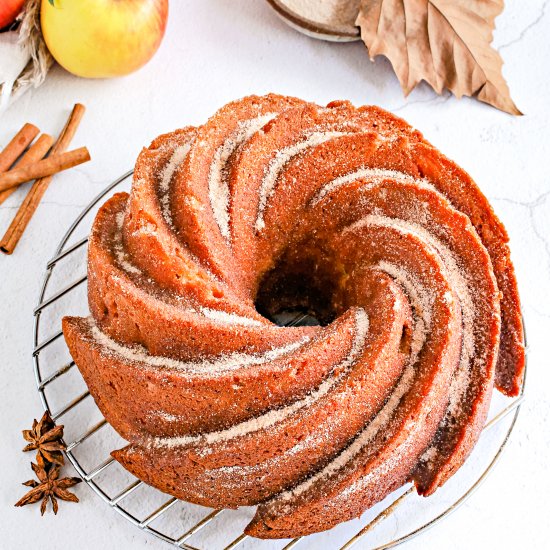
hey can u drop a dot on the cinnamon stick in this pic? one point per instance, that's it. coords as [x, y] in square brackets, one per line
[32, 200]
[46, 167]
[17, 145]
[37, 151]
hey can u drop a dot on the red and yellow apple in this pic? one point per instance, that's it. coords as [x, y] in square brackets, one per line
[9, 10]
[103, 38]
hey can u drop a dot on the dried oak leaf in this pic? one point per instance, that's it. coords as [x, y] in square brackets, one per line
[44, 437]
[49, 488]
[447, 43]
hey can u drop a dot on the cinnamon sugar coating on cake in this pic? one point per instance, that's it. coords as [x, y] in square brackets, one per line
[347, 214]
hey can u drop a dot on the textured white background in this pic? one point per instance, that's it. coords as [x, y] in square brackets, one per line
[218, 50]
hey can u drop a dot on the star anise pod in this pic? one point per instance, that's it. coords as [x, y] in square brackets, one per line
[49, 488]
[44, 437]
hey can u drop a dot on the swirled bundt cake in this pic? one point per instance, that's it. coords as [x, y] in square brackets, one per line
[275, 204]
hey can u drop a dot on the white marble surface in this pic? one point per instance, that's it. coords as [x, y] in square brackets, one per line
[218, 50]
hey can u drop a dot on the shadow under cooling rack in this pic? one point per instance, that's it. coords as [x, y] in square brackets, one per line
[400, 517]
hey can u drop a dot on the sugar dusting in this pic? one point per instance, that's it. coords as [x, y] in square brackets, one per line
[387, 466]
[229, 318]
[283, 156]
[277, 415]
[367, 173]
[218, 187]
[208, 367]
[429, 454]
[218, 316]
[237, 475]
[166, 417]
[118, 248]
[422, 303]
[458, 282]
[178, 156]
[366, 436]
[420, 297]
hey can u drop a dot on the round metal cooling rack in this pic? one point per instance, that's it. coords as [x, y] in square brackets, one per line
[89, 438]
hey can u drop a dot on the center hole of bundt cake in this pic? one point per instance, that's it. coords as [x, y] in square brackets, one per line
[297, 292]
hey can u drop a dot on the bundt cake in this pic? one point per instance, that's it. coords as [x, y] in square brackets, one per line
[277, 204]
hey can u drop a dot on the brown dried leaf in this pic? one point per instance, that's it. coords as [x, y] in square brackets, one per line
[447, 43]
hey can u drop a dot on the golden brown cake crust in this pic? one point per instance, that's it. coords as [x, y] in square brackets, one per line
[342, 212]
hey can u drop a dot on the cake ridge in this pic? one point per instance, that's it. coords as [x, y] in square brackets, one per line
[459, 284]
[280, 159]
[177, 158]
[421, 307]
[276, 415]
[202, 470]
[361, 173]
[126, 263]
[208, 365]
[218, 190]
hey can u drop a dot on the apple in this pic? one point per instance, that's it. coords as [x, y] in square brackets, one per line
[9, 10]
[103, 38]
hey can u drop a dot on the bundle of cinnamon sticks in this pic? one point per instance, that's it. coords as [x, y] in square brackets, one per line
[22, 160]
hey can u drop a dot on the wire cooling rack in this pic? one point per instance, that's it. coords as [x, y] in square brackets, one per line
[89, 439]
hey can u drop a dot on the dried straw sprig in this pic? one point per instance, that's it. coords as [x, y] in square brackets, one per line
[31, 39]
